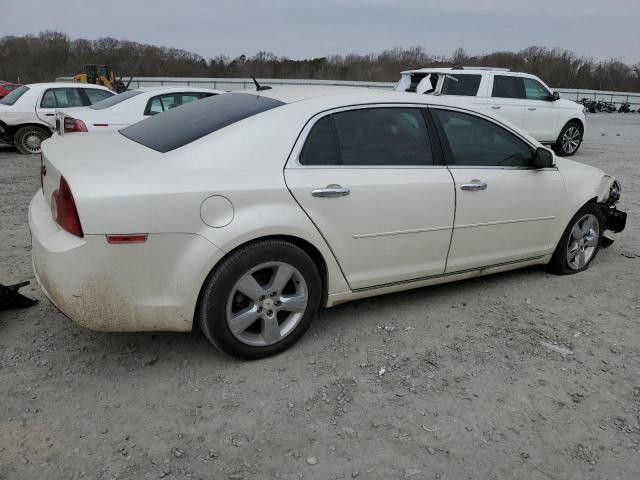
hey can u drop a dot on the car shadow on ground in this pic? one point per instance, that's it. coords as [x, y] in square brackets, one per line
[130, 351]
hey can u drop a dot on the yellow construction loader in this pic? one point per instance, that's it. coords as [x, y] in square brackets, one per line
[104, 75]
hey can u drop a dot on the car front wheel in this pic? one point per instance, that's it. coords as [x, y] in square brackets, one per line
[29, 139]
[260, 300]
[569, 140]
[580, 242]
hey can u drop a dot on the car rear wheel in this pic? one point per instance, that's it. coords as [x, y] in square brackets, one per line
[580, 242]
[260, 300]
[569, 140]
[29, 139]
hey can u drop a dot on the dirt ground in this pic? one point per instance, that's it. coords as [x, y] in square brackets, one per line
[468, 390]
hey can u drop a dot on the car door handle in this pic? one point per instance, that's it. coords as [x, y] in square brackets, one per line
[49, 114]
[474, 185]
[496, 107]
[330, 191]
[531, 108]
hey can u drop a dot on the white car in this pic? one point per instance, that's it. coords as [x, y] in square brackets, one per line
[266, 205]
[27, 114]
[523, 99]
[128, 107]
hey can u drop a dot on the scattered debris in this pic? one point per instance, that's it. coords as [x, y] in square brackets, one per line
[556, 348]
[312, 460]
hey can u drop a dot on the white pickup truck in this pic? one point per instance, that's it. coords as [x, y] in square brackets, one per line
[521, 98]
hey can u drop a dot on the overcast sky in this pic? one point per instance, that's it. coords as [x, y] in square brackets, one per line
[301, 29]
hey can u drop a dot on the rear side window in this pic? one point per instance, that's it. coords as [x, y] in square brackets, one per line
[373, 136]
[13, 97]
[474, 141]
[181, 126]
[94, 95]
[162, 103]
[461, 85]
[505, 86]
[115, 99]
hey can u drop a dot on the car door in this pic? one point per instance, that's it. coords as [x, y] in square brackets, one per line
[56, 98]
[541, 114]
[507, 98]
[370, 181]
[505, 208]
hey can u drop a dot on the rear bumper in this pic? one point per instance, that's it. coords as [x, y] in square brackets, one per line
[137, 287]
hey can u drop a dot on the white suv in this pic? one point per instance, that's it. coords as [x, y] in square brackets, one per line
[520, 98]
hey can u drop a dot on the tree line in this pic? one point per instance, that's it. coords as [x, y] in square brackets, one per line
[43, 57]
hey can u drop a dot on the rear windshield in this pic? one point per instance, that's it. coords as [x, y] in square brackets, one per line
[14, 96]
[461, 85]
[114, 100]
[182, 125]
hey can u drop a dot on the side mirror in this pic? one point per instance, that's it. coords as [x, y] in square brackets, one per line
[543, 158]
[555, 96]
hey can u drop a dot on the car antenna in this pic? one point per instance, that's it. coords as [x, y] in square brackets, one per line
[260, 87]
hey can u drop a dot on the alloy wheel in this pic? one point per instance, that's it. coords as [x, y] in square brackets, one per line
[583, 241]
[571, 140]
[267, 303]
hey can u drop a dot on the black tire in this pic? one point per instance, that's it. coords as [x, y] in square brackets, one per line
[559, 263]
[25, 136]
[219, 287]
[564, 148]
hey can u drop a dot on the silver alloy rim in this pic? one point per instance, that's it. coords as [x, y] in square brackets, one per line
[583, 242]
[32, 141]
[571, 140]
[267, 304]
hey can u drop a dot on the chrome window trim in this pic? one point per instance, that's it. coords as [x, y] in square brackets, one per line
[294, 157]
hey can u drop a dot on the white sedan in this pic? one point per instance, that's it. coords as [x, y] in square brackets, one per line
[267, 205]
[27, 113]
[128, 107]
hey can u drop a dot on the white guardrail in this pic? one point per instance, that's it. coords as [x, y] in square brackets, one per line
[231, 84]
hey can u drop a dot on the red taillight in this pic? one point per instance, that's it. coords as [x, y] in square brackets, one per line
[64, 210]
[72, 125]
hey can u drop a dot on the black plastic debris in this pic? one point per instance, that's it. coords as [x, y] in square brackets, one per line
[10, 297]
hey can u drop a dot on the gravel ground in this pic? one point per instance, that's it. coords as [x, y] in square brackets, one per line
[468, 391]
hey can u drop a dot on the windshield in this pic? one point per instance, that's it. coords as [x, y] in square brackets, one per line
[182, 125]
[14, 96]
[116, 99]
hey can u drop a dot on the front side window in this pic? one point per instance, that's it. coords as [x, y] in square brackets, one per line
[61, 98]
[372, 136]
[461, 85]
[474, 141]
[505, 86]
[13, 97]
[534, 90]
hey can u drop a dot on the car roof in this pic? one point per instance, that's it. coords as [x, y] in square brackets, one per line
[178, 88]
[66, 84]
[322, 98]
[467, 70]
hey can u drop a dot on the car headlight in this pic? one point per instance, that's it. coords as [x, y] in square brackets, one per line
[614, 192]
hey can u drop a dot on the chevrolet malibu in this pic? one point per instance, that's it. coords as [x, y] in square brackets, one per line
[249, 211]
